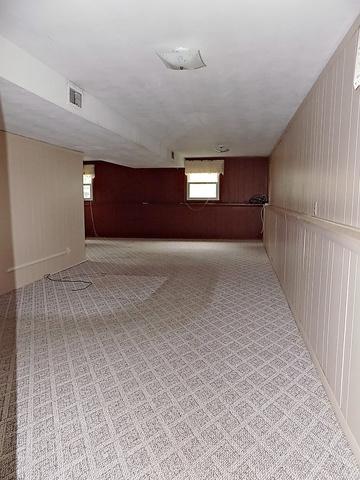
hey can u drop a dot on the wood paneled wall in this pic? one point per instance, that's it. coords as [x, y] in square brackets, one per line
[152, 202]
[319, 269]
[318, 158]
[312, 230]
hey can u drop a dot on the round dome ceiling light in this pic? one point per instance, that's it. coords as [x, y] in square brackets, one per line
[221, 149]
[182, 59]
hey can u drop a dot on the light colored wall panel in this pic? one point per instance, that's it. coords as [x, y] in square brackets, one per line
[349, 332]
[318, 158]
[322, 285]
[315, 253]
[353, 399]
[42, 225]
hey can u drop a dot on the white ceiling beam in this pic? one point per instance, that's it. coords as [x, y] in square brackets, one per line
[25, 71]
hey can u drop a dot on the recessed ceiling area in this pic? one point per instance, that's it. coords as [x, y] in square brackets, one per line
[262, 58]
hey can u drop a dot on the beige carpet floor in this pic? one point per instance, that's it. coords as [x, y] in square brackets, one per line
[180, 361]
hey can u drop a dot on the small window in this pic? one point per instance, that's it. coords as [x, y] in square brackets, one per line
[203, 186]
[87, 187]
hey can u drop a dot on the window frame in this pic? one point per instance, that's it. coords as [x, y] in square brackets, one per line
[91, 192]
[202, 199]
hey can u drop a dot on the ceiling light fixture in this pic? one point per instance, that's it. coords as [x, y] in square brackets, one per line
[182, 58]
[221, 149]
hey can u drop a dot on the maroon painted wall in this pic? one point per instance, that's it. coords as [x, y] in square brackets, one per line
[151, 202]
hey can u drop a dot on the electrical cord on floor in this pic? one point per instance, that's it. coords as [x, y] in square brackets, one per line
[87, 283]
[262, 212]
[197, 209]
[92, 219]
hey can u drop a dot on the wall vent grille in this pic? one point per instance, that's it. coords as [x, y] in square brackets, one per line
[75, 96]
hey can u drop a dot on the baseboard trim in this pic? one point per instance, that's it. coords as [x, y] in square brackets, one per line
[338, 412]
[21, 285]
[67, 251]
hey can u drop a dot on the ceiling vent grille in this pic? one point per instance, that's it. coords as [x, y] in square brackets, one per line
[75, 96]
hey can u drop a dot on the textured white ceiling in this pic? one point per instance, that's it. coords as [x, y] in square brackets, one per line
[31, 116]
[262, 56]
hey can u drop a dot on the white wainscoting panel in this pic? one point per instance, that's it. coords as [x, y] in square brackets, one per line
[319, 271]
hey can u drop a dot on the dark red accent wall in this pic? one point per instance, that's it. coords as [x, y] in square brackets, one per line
[151, 202]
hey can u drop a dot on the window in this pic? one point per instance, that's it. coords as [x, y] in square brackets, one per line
[87, 187]
[203, 186]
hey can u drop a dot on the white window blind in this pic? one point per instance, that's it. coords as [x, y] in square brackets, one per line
[89, 169]
[204, 166]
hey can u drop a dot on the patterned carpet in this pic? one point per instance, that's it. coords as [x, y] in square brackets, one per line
[181, 361]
